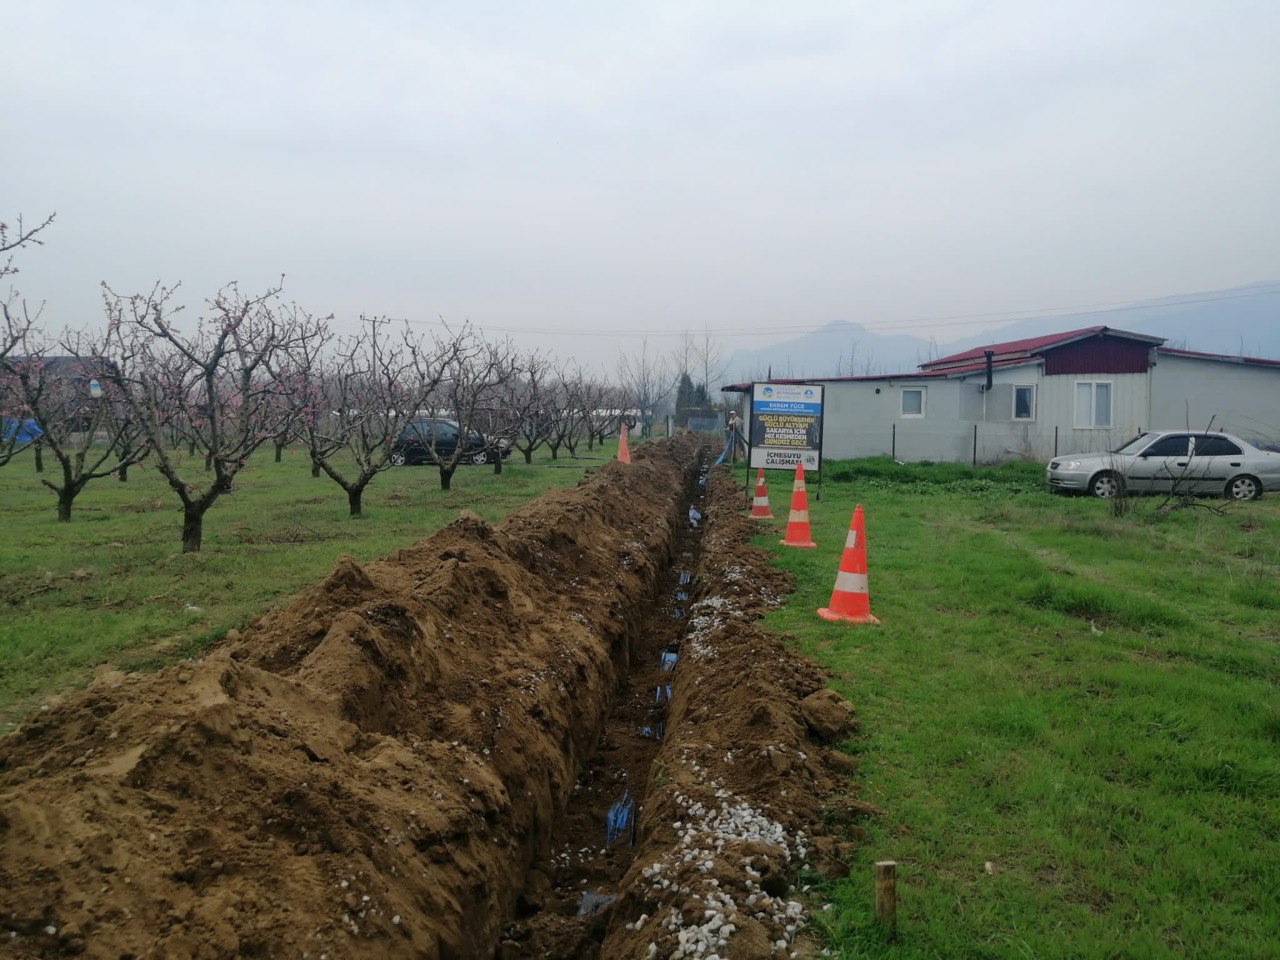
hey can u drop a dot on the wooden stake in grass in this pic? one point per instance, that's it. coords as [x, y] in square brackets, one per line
[886, 895]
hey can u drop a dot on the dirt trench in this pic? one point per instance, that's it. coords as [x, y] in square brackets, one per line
[743, 794]
[385, 766]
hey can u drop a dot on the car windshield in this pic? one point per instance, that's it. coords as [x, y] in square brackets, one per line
[1136, 444]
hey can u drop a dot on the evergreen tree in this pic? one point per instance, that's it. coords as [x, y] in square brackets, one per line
[686, 397]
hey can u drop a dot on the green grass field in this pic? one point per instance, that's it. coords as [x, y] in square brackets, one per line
[112, 589]
[1086, 703]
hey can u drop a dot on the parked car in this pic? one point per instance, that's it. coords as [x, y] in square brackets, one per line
[432, 439]
[1171, 461]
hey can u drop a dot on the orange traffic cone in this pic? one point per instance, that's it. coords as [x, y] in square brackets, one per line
[624, 455]
[798, 522]
[849, 600]
[760, 505]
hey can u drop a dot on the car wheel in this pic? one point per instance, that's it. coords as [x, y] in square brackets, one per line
[1106, 485]
[1242, 488]
[480, 457]
[398, 459]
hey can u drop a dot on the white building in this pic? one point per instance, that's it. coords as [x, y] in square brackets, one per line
[1071, 392]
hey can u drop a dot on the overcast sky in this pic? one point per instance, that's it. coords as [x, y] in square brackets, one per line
[609, 169]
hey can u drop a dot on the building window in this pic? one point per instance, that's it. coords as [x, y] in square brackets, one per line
[1093, 404]
[1024, 403]
[913, 401]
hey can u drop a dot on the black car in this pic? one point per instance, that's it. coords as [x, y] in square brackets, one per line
[431, 439]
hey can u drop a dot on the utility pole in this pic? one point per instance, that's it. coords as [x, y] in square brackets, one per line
[374, 323]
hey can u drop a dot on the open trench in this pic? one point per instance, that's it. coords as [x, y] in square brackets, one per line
[417, 758]
[564, 908]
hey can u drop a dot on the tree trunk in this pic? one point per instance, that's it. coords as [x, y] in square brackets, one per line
[123, 474]
[528, 456]
[39, 457]
[353, 499]
[315, 468]
[191, 448]
[497, 462]
[446, 476]
[279, 452]
[192, 527]
[65, 498]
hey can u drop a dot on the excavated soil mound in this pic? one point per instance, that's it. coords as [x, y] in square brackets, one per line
[371, 770]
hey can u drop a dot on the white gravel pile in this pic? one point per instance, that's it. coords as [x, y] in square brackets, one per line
[705, 617]
[699, 913]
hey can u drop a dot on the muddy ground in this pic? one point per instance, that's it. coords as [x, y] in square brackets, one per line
[396, 763]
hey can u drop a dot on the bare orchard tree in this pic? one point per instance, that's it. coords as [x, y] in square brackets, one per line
[306, 376]
[711, 365]
[290, 430]
[562, 413]
[474, 377]
[357, 403]
[18, 236]
[18, 321]
[15, 419]
[70, 390]
[609, 415]
[211, 387]
[588, 399]
[298, 371]
[496, 418]
[647, 380]
[498, 428]
[526, 398]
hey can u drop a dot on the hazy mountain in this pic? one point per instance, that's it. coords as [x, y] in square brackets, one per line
[1241, 320]
[838, 349]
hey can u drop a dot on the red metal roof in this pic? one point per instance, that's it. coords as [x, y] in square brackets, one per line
[1030, 346]
[1226, 358]
[996, 364]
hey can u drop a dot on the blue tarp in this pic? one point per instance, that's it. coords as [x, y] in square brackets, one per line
[19, 431]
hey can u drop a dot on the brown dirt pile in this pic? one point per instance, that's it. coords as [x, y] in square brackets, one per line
[369, 771]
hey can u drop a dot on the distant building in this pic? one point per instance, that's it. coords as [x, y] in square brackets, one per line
[76, 380]
[1070, 392]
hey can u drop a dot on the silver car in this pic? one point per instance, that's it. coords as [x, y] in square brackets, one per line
[1171, 461]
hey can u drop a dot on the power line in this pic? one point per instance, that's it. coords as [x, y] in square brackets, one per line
[871, 325]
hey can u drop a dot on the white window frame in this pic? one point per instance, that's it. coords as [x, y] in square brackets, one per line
[1013, 412]
[1093, 404]
[902, 399]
